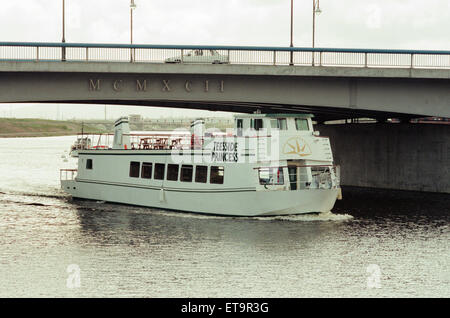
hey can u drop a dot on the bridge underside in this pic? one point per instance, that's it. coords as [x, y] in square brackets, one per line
[321, 114]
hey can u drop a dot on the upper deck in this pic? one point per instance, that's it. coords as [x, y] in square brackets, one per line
[257, 137]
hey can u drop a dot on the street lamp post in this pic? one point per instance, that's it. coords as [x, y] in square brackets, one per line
[316, 10]
[63, 49]
[292, 31]
[132, 7]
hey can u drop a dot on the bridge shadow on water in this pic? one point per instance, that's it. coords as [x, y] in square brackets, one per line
[366, 202]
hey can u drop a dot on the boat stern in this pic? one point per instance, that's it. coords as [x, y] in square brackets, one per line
[67, 179]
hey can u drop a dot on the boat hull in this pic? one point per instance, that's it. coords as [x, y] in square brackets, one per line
[229, 202]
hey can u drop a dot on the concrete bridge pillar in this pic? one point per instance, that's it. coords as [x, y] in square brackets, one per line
[394, 156]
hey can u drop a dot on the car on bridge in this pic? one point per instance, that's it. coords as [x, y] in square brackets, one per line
[200, 56]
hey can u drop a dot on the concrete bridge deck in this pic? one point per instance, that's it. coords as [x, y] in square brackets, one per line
[330, 92]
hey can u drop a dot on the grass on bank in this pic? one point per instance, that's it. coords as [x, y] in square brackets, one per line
[19, 127]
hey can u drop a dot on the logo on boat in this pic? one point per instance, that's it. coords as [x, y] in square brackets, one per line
[297, 146]
[225, 152]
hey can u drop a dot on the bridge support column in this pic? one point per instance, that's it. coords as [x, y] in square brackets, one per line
[393, 156]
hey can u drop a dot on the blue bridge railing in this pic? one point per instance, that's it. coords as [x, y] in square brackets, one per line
[206, 54]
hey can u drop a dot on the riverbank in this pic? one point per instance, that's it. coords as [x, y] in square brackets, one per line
[33, 127]
[19, 127]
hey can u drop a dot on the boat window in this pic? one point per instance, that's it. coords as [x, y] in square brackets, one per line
[159, 171]
[134, 169]
[216, 175]
[282, 123]
[201, 173]
[292, 170]
[239, 123]
[186, 173]
[273, 123]
[271, 175]
[89, 164]
[301, 124]
[146, 172]
[239, 126]
[172, 172]
[256, 123]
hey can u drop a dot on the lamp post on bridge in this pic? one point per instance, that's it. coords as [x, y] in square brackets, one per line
[63, 49]
[316, 10]
[132, 7]
[292, 31]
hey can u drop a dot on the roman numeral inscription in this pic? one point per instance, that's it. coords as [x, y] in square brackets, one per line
[187, 86]
[117, 85]
[141, 86]
[94, 85]
[165, 85]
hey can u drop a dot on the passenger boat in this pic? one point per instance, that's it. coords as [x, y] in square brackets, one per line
[268, 164]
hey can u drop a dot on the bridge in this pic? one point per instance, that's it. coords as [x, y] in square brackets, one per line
[331, 83]
[358, 83]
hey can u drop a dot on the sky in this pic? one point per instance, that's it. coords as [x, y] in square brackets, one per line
[391, 24]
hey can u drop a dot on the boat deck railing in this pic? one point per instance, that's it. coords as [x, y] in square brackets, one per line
[148, 141]
[92, 141]
[67, 174]
[160, 141]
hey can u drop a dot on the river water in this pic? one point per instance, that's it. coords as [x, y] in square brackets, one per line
[375, 243]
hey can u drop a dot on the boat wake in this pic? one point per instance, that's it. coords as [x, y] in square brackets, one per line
[34, 198]
[53, 193]
[312, 217]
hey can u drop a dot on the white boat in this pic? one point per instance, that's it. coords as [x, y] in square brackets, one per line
[268, 164]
